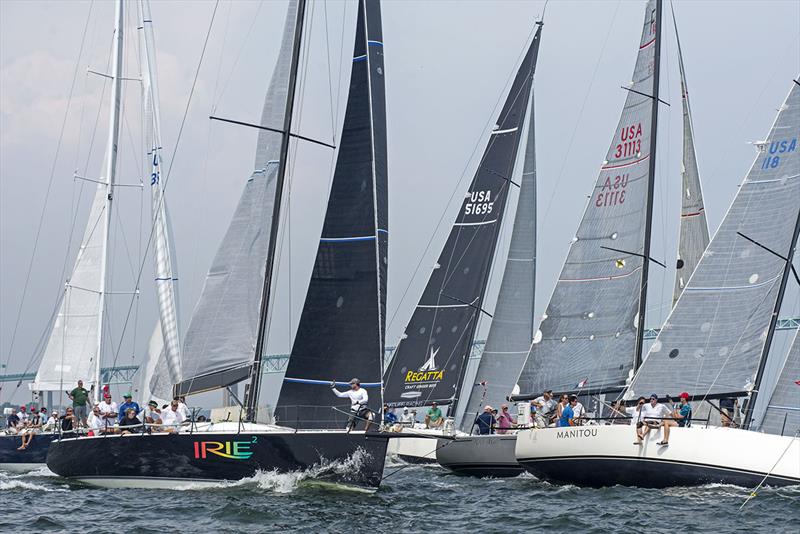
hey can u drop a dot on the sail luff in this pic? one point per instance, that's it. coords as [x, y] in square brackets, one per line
[782, 415]
[694, 234]
[165, 273]
[251, 402]
[512, 328]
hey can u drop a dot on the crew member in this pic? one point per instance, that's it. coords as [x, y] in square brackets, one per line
[359, 400]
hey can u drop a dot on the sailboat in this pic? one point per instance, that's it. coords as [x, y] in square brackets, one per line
[715, 344]
[78, 335]
[591, 351]
[341, 331]
[429, 363]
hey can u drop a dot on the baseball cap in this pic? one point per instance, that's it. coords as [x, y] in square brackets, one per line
[684, 395]
[654, 396]
[127, 396]
[355, 381]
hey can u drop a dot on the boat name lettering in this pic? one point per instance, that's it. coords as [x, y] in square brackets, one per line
[577, 433]
[235, 450]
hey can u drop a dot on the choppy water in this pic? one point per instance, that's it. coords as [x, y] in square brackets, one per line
[414, 499]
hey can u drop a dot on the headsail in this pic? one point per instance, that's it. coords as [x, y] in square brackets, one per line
[221, 338]
[588, 335]
[342, 327]
[783, 411]
[429, 362]
[155, 382]
[694, 227]
[717, 333]
[512, 327]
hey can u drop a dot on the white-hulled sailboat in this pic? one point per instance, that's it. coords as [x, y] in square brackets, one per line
[341, 330]
[715, 344]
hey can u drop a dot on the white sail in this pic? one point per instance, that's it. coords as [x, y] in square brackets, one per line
[155, 381]
[165, 272]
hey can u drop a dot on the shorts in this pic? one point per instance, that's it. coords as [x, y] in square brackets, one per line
[362, 414]
[80, 411]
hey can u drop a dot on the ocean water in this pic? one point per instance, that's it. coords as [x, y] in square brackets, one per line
[424, 499]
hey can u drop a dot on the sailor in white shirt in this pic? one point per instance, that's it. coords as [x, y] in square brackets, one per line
[359, 399]
[172, 417]
[183, 408]
[109, 412]
[653, 414]
[406, 419]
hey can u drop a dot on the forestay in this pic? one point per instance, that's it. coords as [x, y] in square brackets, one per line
[715, 336]
[783, 411]
[342, 327]
[220, 342]
[588, 334]
[511, 332]
[429, 362]
[694, 227]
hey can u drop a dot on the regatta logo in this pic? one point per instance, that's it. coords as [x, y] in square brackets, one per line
[428, 372]
[235, 450]
[577, 433]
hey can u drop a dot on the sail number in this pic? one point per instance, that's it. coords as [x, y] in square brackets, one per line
[613, 191]
[630, 141]
[478, 203]
[773, 161]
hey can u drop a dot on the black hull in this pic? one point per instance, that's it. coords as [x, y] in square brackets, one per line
[598, 472]
[36, 453]
[421, 460]
[334, 457]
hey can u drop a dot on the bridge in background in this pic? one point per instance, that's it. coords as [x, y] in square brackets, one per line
[276, 363]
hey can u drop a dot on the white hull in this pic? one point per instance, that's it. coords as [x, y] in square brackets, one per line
[481, 456]
[606, 455]
[418, 450]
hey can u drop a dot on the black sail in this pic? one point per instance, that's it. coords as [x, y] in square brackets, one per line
[341, 329]
[429, 362]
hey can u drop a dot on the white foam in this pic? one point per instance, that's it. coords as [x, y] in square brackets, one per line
[22, 485]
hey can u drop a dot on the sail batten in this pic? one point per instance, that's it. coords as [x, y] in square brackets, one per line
[719, 330]
[341, 330]
[430, 361]
[221, 339]
[588, 336]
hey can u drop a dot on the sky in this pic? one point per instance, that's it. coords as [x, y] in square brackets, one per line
[448, 66]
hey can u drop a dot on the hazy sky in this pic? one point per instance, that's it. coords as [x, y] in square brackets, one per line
[447, 67]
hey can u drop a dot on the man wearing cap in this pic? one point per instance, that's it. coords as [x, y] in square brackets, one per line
[79, 396]
[359, 399]
[485, 421]
[129, 403]
[434, 418]
[654, 413]
[109, 412]
[505, 420]
[682, 416]
[406, 419]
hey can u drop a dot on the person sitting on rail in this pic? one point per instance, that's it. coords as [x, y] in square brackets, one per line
[172, 417]
[131, 424]
[12, 422]
[123, 408]
[485, 421]
[568, 412]
[33, 427]
[505, 420]
[653, 413]
[434, 417]
[681, 416]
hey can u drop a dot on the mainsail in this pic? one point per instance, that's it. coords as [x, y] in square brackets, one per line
[512, 327]
[429, 362]
[588, 335]
[783, 411]
[165, 273]
[720, 328]
[221, 338]
[342, 327]
[74, 348]
[694, 227]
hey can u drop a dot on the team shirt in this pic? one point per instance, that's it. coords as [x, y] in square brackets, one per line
[655, 413]
[358, 398]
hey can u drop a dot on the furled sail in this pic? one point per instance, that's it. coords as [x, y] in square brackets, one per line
[715, 336]
[588, 335]
[165, 272]
[429, 362]
[783, 411]
[512, 327]
[221, 338]
[155, 379]
[694, 227]
[342, 327]
[73, 346]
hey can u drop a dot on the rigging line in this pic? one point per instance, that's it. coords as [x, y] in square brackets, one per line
[330, 77]
[753, 493]
[215, 94]
[49, 187]
[566, 157]
[169, 169]
[458, 187]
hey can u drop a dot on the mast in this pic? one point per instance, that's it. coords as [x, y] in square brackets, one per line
[251, 400]
[637, 361]
[762, 363]
[110, 175]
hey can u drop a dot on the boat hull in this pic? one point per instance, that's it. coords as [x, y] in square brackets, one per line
[599, 456]
[416, 450]
[162, 460]
[23, 461]
[480, 456]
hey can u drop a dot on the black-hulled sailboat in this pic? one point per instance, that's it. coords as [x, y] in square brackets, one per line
[341, 333]
[430, 361]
